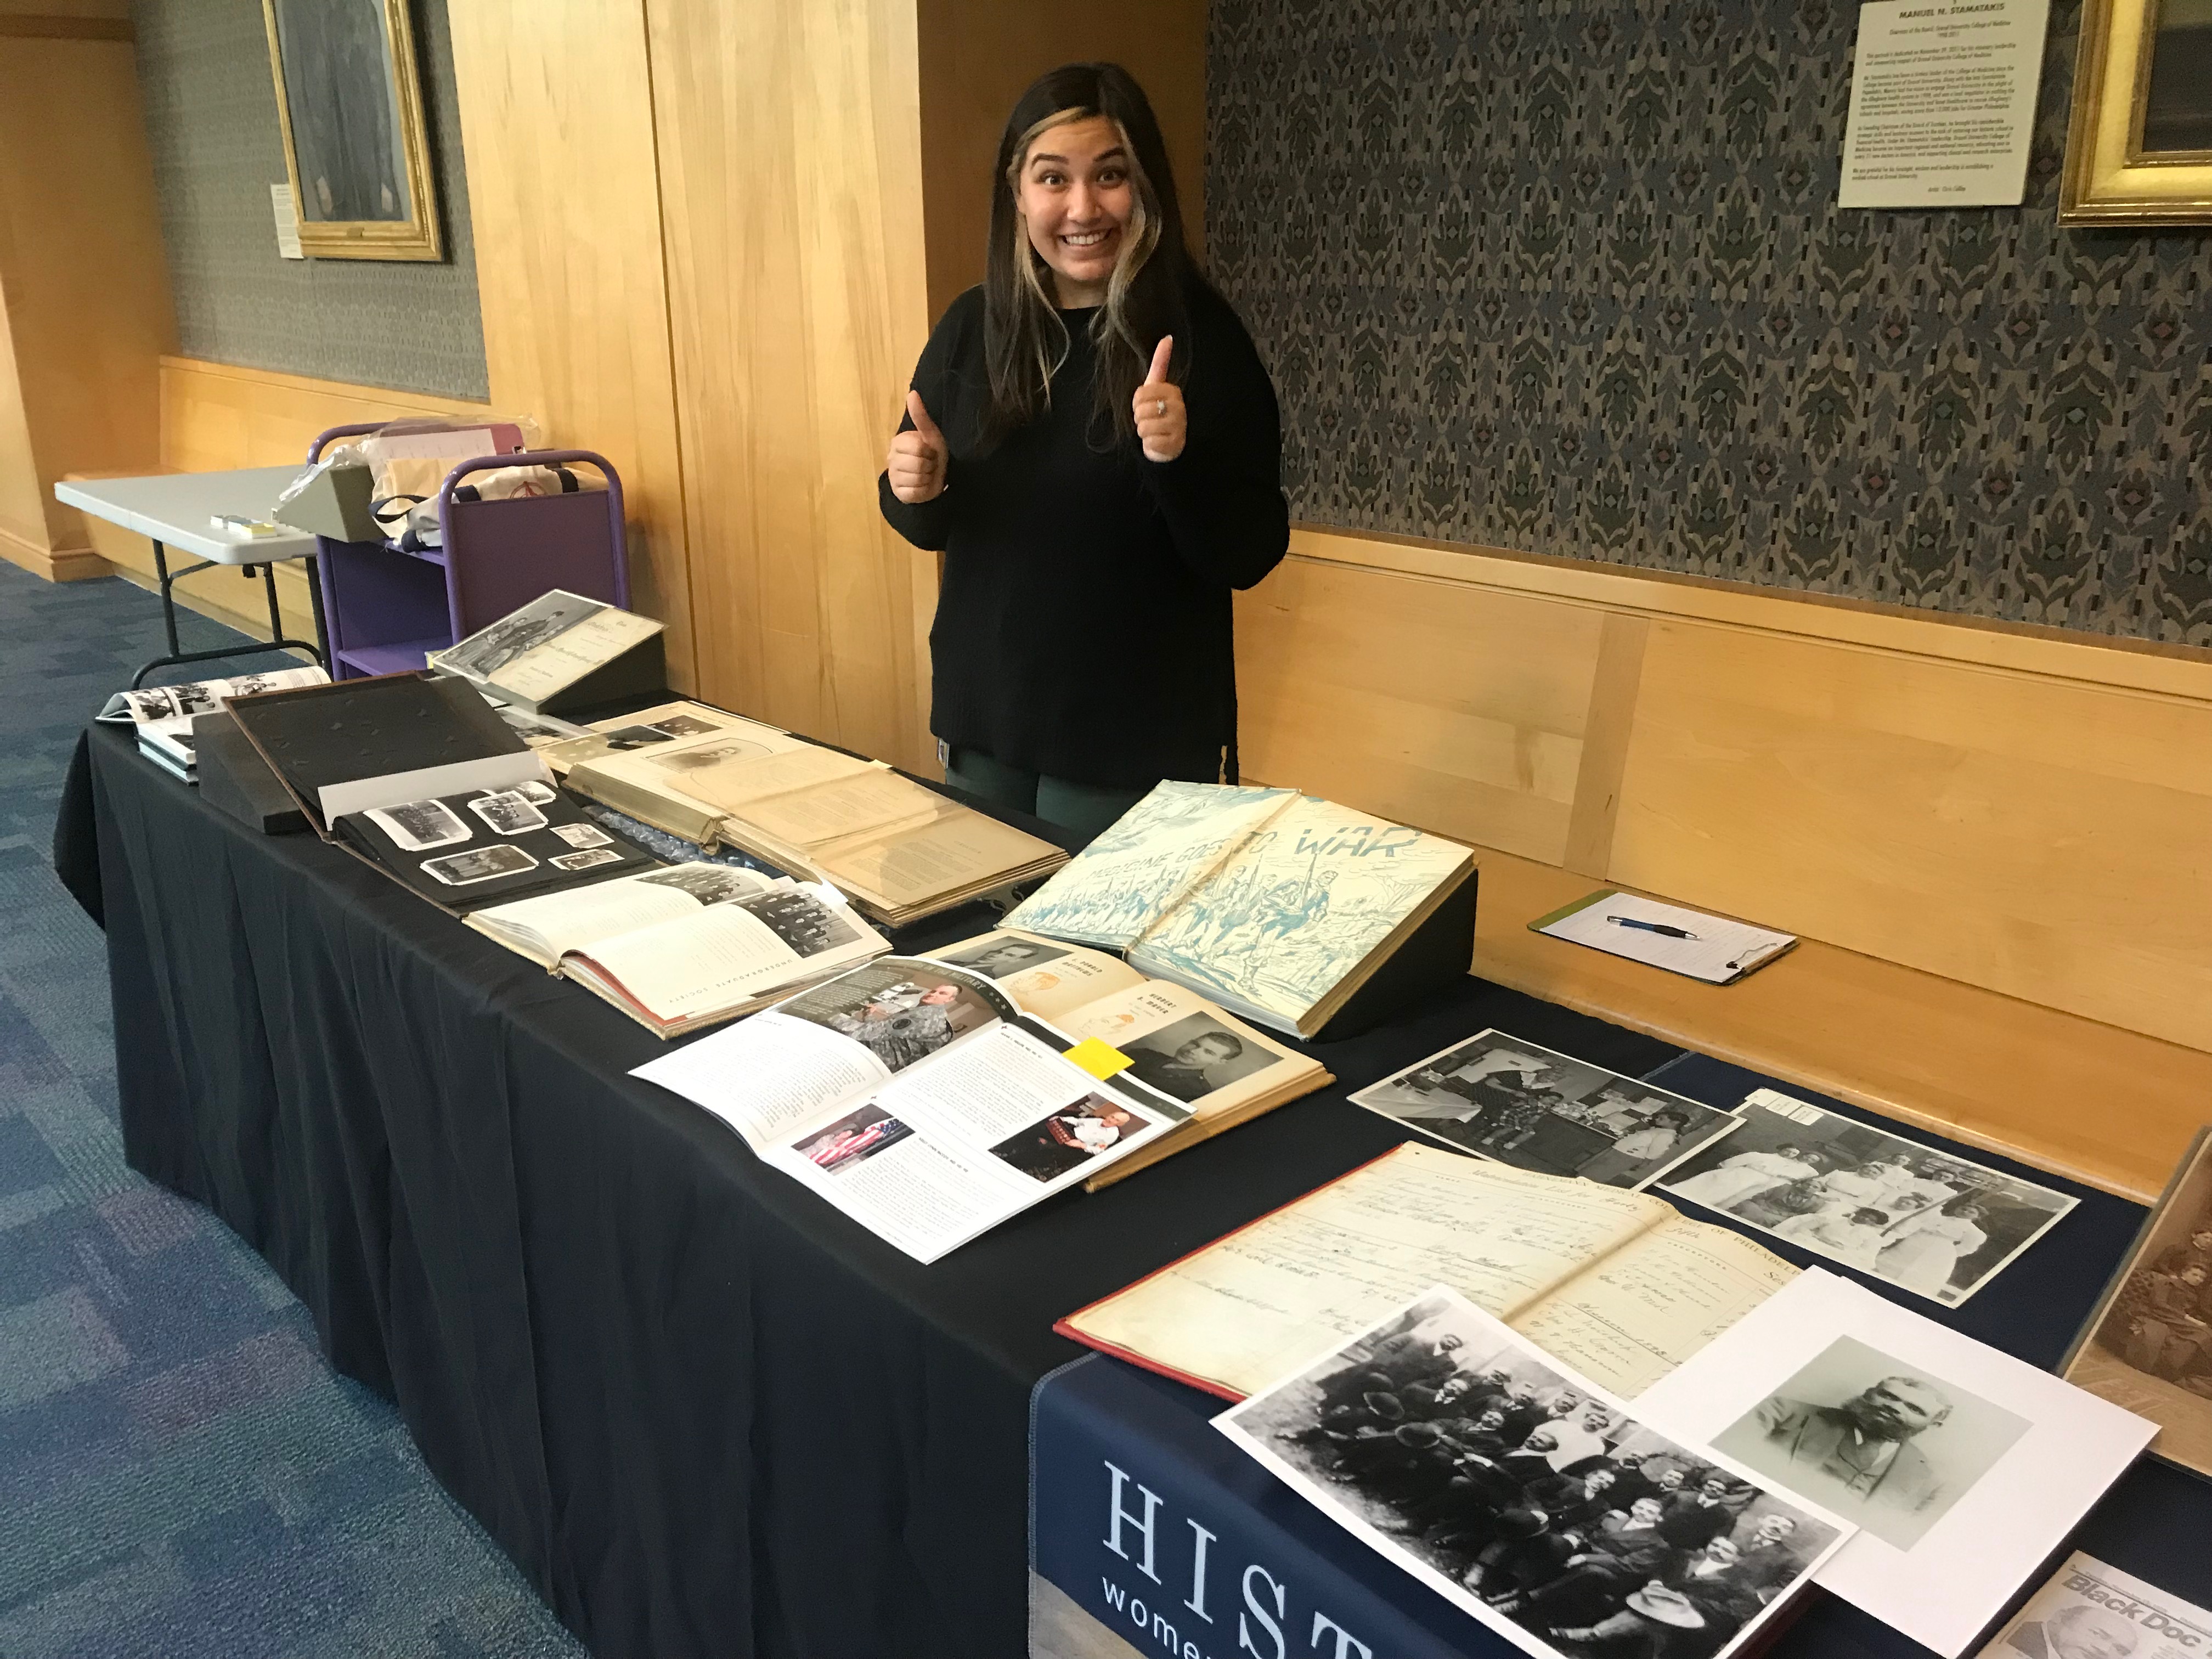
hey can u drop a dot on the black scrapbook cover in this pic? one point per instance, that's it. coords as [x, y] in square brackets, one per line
[320, 735]
[487, 847]
[236, 780]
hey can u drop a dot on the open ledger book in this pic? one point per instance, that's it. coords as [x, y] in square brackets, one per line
[901, 851]
[1617, 1285]
[1278, 905]
[686, 946]
[926, 1102]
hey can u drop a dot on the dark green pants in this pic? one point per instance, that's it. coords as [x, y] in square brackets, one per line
[1085, 808]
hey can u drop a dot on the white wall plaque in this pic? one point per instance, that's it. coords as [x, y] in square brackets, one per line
[1942, 103]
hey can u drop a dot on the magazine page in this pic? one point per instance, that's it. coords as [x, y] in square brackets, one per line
[727, 954]
[550, 927]
[1295, 908]
[1049, 980]
[170, 703]
[978, 1134]
[2087, 1610]
[832, 1043]
[1146, 863]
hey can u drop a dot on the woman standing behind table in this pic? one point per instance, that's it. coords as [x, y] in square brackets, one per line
[1091, 441]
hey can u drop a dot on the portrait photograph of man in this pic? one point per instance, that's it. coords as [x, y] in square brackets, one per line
[1872, 1441]
[1193, 1057]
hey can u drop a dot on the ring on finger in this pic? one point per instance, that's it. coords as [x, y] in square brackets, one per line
[1159, 405]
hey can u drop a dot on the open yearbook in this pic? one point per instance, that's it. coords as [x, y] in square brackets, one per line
[1174, 1042]
[688, 946]
[901, 851]
[917, 1099]
[1620, 1285]
[1280, 906]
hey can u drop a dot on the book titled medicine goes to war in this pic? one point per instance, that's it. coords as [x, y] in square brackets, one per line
[931, 1099]
[1278, 905]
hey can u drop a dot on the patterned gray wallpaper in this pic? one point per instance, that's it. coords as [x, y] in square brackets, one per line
[1569, 278]
[211, 117]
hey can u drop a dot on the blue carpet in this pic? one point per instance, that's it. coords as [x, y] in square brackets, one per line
[181, 1472]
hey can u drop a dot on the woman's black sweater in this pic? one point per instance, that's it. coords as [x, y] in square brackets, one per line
[1082, 629]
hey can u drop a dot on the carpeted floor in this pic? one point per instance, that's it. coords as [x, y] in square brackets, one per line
[180, 1474]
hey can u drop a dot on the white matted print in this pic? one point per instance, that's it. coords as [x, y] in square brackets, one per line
[1504, 1097]
[1526, 1496]
[1783, 1381]
[1932, 1223]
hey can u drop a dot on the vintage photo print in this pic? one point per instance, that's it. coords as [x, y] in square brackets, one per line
[857, 1136]
[537, 729]
[685, 725]
[1193, 1057]
[899, 1009]
[510, 812]
[483, 654]
[589, 859]
[1003, 954]
[1069, 1138]
[417, 826]
[1502, 1097]
[2087, 1610]
[538, 795]
[583, 834]
[1534, 1500]
[1887, 1445]
[478, 864]
[714, 754]
[1932, 1223]
[623, 737]
[710, 883]
[2148, 1346]
[801, 920]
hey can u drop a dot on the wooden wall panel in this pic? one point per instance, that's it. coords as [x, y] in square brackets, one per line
[790, 176]
[1455, 708]
[977, 55]
[83, 277]
[2046, 839]
[556, 118]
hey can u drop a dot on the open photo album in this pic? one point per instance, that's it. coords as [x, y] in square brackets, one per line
[1278, 906]
[687, 945]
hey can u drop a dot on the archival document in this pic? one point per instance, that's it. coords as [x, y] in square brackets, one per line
[1615, 1284]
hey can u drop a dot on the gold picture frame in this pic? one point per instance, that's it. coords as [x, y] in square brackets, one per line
[349, 104]
[2133, 78]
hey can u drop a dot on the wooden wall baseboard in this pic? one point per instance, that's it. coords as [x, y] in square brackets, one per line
[66, 564]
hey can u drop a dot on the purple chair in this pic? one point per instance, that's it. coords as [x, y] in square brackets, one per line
[387, 610]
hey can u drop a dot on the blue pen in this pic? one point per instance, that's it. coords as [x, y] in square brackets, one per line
[1651, 927]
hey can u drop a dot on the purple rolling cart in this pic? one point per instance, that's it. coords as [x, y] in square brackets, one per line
[388, 610]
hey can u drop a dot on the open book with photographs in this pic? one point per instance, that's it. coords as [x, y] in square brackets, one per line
[900, 851]
[687, 945]
[1280, 906]
[1618, 1284]
[560, 650]
[924, 1100]
[161, 716]
[1174, 1042]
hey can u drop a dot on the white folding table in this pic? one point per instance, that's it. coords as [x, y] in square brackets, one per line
[177, 509]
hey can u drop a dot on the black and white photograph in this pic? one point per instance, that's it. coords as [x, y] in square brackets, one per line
[1068, 1139]
[1932, 1223]
[483, 654]
[2147, 1346]
[478, 864]
[582, 835]
[1503, 1098]
[684, 725]
[1191, 1058]
[1003, 954]
[710, 883]
[896, 1009]
[1526, 1496]
[802, 921]
[1885, 1445]
[540, 794]
[625, 738]
[698, 760]
[589, 859]
[510, 812]
[417, 826]
[855, 1137]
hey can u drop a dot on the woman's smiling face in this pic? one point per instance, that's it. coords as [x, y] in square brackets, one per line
[1076, 197]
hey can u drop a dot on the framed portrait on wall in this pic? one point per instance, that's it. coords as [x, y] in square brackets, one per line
[350, 103]
[2140, 147]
